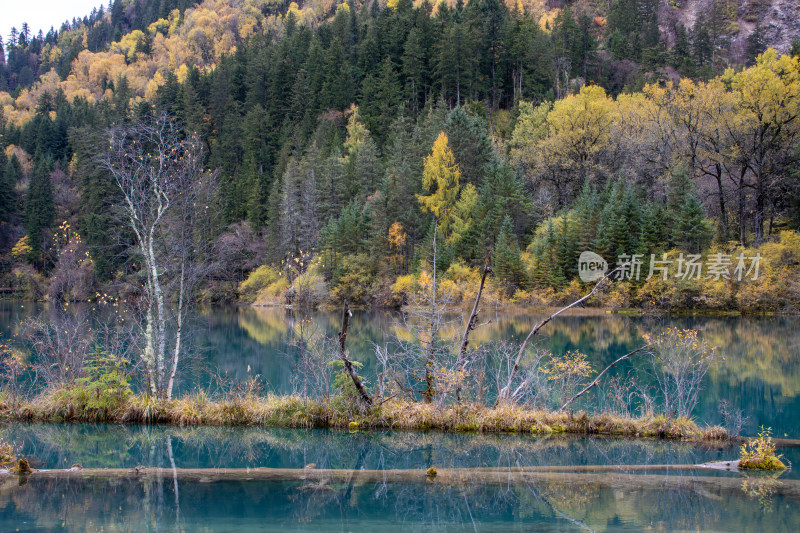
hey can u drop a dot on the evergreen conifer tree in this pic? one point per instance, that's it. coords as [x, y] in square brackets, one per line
[8, 180]
[39, 209]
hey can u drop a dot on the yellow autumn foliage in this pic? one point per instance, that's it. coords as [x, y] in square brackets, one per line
[199, 38]
[440, 180]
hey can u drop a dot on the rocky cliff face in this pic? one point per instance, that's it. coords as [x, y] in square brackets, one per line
[736, 20]
[781, 22]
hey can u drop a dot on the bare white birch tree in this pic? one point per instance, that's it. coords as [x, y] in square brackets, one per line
[158, 170]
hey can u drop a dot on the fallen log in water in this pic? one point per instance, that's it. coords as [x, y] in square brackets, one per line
[780, 443]
[722, 465]
[585, 476]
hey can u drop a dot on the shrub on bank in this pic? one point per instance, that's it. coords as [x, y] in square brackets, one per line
[273, 294]
[100, 395]
[355, 280]
[759, 453]
[778, 286]
[363, 281]
[258, 280]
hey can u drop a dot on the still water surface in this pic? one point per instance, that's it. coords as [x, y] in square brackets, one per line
[618, 501]
[760, 373]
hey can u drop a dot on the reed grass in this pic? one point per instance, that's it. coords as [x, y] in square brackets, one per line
[293, 411]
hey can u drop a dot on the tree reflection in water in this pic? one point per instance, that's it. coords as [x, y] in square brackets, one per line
[150, 504]
[165, 502]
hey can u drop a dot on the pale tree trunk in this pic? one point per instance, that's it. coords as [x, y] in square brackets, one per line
[427, 396]
[158, 170]
[348, 365]
[179, 330]
[471, 324]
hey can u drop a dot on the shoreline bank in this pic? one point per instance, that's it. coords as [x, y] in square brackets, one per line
[392, 414]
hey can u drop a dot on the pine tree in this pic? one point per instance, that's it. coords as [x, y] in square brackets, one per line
[651, 236]
[97, 191]
[506, 261]
[568, 253]
[691, 230]
[8, 180]
[619, 229]
[332, 190]
[756, 43]
[565, 35]
[455, 61]
[338, 87]
[39, 209]
[553, 275]
[494, 15]
[532, 55]
[257, 167]
[682, 50]
[415, 68]
[468, 137]
[587, 209]
[501, 193]
[361, 165]
[687, 227]
[702, 44]
[382, 103]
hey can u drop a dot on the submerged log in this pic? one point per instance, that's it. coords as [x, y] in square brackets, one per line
[586, 476]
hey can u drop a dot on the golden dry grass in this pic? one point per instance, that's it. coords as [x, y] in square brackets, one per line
[297, 412]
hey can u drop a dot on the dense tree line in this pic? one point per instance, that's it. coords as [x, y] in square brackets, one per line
[24, 56]
[354, 141]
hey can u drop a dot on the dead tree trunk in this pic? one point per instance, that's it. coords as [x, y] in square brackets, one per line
[471, 323]
[348, 365]
[427, 396]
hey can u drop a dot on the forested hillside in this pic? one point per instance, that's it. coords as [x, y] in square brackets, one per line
[345, 138]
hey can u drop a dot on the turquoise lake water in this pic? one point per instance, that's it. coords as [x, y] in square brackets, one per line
[760, 374]
[155, 505]
[703, 501]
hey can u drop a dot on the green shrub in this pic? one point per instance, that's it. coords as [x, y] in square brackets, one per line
[346, 400]
[103, 390]
[7, 452]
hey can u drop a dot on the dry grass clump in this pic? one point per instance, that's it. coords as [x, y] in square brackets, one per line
[21, 467]
[403, 414]
[247, 408]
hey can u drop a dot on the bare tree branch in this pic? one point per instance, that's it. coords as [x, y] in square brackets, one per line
[471, 324]
[505, 391]
[164, 195]
[597, 379]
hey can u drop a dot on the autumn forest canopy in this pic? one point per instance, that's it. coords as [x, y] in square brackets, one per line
[344, 150]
